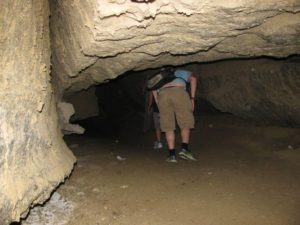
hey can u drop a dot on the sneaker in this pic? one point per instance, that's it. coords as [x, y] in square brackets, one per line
[184, 154]
[172, 159]
[157, 145]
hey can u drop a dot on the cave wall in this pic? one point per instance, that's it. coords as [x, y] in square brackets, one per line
[85, 104]
[260, 89]
[33, 157]
[96, 40]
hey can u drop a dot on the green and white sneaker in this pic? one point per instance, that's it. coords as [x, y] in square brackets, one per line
[184, 154]
[172, 159]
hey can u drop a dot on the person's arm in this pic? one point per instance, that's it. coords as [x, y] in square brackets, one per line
[150, 100]
[193, 83]
[155, 96]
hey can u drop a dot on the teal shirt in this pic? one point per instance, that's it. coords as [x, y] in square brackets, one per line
[184, 74]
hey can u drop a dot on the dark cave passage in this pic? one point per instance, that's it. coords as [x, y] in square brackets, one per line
[246, 88]
[122, 104]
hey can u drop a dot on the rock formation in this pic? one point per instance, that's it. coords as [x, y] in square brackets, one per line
[261, 89]
[93, 41]
[33, 157]
[96, 40]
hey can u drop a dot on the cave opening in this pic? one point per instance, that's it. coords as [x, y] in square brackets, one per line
[236, 147]
[124, 98]
[246, 138]
[123, 101]
[244, 160]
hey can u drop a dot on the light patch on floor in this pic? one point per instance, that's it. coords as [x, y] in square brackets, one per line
[56, 211]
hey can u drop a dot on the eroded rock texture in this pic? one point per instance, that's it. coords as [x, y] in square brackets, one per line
[33, 157]
[85, 104]
[261, 89]
[95, 40]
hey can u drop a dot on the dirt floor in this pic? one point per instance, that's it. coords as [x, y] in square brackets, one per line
[245, 175]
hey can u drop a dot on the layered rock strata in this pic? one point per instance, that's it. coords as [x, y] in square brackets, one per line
[96, 40]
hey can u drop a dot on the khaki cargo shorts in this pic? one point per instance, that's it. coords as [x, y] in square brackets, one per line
[174, 102]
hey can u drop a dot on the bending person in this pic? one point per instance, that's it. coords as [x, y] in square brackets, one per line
[176, 104]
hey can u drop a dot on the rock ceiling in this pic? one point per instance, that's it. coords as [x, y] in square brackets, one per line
[96, 40]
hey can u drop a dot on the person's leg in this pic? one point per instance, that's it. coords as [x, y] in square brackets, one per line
[167, 120]
[185, 119]
[185, 135]
[157, 143]
[185, 153]
[185, 138]
[157, 131]
[158, 134]
[170, 136]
